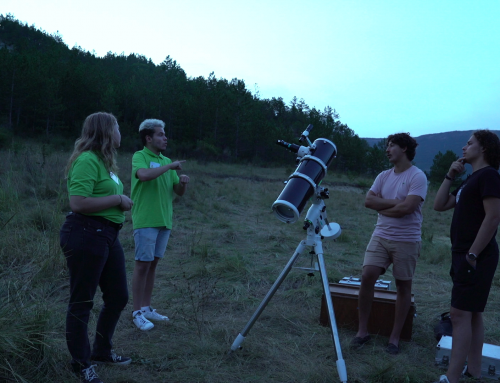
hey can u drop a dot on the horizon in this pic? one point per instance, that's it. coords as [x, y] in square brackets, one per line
[429, 134]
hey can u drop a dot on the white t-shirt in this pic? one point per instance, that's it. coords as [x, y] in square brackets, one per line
[390, 185]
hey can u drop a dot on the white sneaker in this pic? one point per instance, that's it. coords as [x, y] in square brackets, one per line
[142, 323]
[443, 379]
[151, 314]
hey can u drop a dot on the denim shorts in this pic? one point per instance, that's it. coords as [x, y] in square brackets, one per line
[150, 242]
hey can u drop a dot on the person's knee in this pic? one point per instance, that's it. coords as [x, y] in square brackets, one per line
[153, 264]
[142, 268]
[370, 275]
[124, 300]
[459, 316]
[403, 287]
[79, 308]
[118, 301]
[477, 317]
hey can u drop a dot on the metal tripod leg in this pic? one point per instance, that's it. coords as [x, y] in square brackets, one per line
[341, 369]
[241, 336]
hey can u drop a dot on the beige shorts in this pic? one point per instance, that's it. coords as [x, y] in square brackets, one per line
[382, 252]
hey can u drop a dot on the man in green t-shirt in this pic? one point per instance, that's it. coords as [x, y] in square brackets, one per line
[154, 180]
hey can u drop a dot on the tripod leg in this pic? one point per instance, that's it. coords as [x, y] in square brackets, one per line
[241, 336]
[335, 335]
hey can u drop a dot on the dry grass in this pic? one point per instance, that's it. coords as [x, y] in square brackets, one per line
[225, 252]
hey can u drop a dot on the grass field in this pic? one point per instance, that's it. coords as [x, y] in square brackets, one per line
[226, 250]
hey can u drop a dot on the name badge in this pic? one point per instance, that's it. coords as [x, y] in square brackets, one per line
[153, 165]
[114, 178]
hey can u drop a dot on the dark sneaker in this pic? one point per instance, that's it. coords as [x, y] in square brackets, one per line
[88, 375]
[469, 377]
[358, 342]
[392, 349]
[112, 359]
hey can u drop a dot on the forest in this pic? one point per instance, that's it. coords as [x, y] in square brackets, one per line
[47, 90]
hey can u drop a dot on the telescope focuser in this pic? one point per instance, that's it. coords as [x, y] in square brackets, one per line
[294, 148]
[325, 194]
[300, 150]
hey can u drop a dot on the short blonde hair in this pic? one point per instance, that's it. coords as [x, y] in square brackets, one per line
[151, 123]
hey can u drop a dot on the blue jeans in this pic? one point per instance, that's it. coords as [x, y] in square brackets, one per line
[94, 257]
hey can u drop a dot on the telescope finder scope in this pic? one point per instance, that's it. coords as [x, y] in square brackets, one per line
[305, 133]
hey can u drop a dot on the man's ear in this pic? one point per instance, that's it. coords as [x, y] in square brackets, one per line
[149, 139]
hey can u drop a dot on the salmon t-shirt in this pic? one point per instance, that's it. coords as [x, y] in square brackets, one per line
[390, 185]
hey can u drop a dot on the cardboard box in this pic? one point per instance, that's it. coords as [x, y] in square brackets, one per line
[490, 363]
[345, 306]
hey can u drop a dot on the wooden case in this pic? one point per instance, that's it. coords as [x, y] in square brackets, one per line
[345, 306]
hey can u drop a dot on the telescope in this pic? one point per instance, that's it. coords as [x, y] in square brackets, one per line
[313, 161]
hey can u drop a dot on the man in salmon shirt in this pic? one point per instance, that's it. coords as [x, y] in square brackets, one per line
[397, 195]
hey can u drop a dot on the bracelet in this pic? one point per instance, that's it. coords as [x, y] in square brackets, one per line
[449, 178]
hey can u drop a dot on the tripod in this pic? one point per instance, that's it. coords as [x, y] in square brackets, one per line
[317, 227]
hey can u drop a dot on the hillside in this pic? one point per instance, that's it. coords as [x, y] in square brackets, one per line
[430, 144]
[47, 89]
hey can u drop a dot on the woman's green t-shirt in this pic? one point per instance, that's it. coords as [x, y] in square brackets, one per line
[88, 177]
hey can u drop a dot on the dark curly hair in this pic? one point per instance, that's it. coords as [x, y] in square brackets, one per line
[490, 142]
[404, 140]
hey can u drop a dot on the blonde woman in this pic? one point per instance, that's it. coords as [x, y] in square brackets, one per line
[89, 239]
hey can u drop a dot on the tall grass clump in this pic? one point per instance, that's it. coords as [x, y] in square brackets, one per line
[32, 269]
[25, 336]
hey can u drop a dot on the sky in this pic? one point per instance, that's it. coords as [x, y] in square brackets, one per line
[385, 66]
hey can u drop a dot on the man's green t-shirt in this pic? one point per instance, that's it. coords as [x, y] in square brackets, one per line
[88, 177]
[152, 199]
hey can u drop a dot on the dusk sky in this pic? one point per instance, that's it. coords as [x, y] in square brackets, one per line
[385, 66]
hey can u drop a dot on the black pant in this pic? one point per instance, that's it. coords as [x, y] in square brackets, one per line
[94, 257]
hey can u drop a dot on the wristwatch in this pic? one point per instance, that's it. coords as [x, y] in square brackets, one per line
[472, 256]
